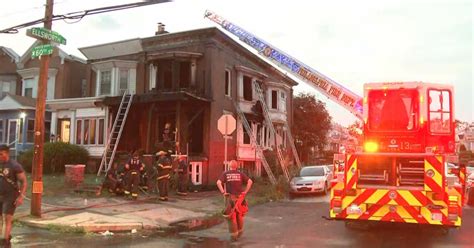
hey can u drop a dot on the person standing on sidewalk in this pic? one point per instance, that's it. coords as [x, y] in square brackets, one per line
[11, 195]
[163, 165]
[134, 166]
[230, 185]
[182, 175]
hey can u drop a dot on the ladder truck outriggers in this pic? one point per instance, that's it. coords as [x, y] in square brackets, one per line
[399, 174]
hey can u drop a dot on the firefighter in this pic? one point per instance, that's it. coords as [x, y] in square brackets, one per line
[182, 171]
[111, 182]
[163, 166]
[230, 185]
[134, 167]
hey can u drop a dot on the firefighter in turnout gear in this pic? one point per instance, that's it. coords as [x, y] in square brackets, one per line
[163, 165]
[230, 185]
[134, 167]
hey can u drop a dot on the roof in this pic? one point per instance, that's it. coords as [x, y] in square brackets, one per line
[12, 54]
[23, 100]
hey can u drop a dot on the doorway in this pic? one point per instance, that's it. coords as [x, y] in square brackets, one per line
[64, 130]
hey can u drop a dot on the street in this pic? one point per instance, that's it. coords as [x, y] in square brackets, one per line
[287, 223]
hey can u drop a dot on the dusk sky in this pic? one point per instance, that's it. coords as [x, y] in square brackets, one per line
[352, 42]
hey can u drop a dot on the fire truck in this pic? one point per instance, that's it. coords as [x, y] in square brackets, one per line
[399, 172]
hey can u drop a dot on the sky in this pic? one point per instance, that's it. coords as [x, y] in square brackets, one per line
[351, 42]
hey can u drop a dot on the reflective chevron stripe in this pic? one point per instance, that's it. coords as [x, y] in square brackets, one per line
[434, 174]
[351, 174]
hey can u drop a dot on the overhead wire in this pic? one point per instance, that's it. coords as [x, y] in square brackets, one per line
[78, 15]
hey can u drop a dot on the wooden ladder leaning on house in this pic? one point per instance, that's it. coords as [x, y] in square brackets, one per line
[115, 133]
[271, 128]
[253, 140]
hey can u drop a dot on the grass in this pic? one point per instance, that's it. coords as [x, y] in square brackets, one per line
[54, 184]
[65, 229]
[263, 191]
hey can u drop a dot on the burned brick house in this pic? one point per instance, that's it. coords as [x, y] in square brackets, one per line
[187, 79]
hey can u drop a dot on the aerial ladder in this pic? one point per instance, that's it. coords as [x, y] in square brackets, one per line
[317, 80]
[399, 173]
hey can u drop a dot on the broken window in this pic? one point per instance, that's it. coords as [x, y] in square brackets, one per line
[227, 82]
[274, 99]
[247, 88]
[184, 74]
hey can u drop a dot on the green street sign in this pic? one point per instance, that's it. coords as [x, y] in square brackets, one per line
[41, 50]
[46, 34]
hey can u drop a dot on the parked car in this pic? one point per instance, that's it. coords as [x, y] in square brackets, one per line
[311, 179]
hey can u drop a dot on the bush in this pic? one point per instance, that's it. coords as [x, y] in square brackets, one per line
[56, 155]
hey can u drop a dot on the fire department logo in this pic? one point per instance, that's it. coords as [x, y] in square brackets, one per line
[392, 209]
[393, 141]
[392, 195]
[6, 171]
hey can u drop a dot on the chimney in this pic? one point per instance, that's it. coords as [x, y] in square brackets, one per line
[161, 29]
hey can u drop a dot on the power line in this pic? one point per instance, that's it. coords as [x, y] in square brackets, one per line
[78, 15]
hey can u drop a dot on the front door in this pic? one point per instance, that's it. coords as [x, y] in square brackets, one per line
[12, 131]
[64, 130]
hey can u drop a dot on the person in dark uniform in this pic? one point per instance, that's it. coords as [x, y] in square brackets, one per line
[134, 167]
[230, 185]
[11, 195]
[111, 182]
[163, 166]
[182, 171]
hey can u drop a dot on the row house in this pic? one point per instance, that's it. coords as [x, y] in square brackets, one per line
[19, 77]
[188, 80]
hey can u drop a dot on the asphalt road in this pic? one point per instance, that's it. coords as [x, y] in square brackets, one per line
[289, 223]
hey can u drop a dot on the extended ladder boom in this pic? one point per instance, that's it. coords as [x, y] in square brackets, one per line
[317, 80]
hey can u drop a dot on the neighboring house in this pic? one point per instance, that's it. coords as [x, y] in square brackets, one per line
[66, 76]
[188, 79]
[465, 136]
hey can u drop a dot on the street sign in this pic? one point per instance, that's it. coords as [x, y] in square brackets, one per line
[226, 124]
[46, 34]
[41, 50]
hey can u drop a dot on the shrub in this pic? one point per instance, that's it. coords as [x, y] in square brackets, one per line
[56, 155]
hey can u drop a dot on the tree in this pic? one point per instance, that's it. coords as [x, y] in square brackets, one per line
[311, 124]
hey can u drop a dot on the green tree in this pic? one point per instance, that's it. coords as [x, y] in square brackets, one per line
[311, 124]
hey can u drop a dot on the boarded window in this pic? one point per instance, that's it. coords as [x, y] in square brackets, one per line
[247, 88]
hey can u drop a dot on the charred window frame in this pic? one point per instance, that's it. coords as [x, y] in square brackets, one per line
[247, 87]
[227, 86]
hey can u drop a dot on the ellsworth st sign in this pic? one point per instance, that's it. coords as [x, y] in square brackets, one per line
[46, 34]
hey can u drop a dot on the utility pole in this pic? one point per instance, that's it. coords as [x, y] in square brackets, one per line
[37, 171]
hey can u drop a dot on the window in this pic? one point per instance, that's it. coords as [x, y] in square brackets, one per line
[2, 131]
[393, 110]
[84, 88]
[6, 87]
[105, 82]
[440, 111]
[79, 132]
[90, 131]
[247, 88]
[184, 74]
[28, 87]
[283, 101]
[246, 138]
[227, 83]
[123, 84]
[30, 131]
[195, 173]
[274, 99]
[101, 131]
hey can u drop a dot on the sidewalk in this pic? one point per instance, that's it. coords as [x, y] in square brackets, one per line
[87, 213]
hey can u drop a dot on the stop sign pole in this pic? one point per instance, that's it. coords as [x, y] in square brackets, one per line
[226, 125]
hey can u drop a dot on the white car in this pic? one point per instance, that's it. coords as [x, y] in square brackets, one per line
[311, 179]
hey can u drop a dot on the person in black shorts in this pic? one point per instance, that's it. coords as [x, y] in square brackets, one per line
[11, 195]
[230, 185]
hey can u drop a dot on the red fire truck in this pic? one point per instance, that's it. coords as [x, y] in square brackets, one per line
[398, 174]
